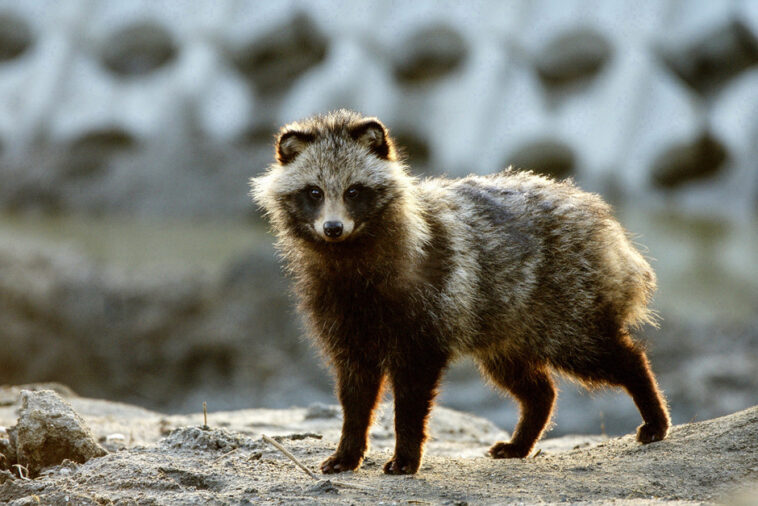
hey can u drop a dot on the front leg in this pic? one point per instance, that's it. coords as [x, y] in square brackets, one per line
[358, 388]
[414, 386]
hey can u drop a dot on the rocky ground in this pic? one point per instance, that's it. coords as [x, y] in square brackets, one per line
[159, 459]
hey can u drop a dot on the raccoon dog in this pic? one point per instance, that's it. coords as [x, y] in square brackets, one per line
[396, 277]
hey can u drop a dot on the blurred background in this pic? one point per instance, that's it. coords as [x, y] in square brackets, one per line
[134, 267]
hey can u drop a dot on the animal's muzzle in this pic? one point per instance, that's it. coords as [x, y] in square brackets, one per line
[333, 229]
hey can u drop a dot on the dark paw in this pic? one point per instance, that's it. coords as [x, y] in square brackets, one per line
[503, 450]
[647, 433]
[401, 465]
[339, 464]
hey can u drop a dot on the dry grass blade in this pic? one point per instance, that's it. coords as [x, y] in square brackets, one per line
[222, 457]
[23, 472]
[302, 466]
[290, 456]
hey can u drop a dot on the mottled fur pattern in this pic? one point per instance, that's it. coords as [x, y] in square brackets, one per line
[526, 274]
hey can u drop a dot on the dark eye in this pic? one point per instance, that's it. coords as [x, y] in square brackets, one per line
[352, 192]
[315, 193]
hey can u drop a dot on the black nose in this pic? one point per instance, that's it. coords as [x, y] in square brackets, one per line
[333, 228]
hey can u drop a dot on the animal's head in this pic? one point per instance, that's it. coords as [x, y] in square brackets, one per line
[334, 178]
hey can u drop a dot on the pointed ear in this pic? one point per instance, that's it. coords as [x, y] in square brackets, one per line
[291, 143]
[371, 133]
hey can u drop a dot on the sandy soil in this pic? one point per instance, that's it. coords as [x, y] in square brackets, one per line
[160, 459]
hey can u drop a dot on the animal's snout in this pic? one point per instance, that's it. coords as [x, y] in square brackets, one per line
[333, 229]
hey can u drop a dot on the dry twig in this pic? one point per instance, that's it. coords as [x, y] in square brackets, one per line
[23, 472]
[290, 456]
[219, 459]
[310, 473]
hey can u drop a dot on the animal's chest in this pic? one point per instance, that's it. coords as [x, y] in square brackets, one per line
[371, 318]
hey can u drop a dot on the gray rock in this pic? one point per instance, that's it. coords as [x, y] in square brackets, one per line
[11, 394]
[323, 487]
[197, 438]
[49, 431]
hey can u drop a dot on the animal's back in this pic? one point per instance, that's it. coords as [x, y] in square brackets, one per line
[555, 271]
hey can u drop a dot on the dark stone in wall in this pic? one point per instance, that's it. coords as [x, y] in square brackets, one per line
[549, 157]
[715, 58]
[429, 55]
[259, 137]
[139, 49]
[15, 37]
[414, 149]
[572, 57]
[687, 162]
[274, 61]
[89, 154]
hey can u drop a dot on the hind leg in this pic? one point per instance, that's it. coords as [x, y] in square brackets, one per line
[625, 364]
[532, 386]
[637, 378]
